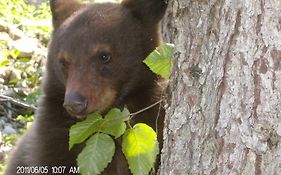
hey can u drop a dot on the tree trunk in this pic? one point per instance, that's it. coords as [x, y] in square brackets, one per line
[224, 108]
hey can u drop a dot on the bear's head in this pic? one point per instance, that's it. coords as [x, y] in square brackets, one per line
[97, 50]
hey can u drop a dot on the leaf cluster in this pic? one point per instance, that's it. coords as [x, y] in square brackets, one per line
[139, 144]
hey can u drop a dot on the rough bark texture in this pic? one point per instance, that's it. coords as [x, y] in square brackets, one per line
[224, 109]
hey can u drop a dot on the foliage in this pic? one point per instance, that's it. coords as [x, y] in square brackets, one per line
[2, 167]
[160, 60]
[27, 120]
[32, 22]
[10, 139]
[112, 123]
[35, 22]
[16, 71]
[139, 144]
[29, 72]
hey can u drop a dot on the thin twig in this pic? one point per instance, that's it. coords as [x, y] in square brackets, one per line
[129, 124]
[159, 110]
[16, 102]
[146, 108]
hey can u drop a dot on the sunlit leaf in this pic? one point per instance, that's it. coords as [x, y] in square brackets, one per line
[96, 155]
[140, 147]
[160, 60]
[14, 53]
[4, 63]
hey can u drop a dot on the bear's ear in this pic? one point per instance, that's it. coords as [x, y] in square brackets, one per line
[149, 11]
[62, 9]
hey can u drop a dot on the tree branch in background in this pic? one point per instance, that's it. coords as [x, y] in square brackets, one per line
[4, 98]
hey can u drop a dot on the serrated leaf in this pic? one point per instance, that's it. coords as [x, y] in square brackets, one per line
[140, 147]
[160, 60]
[96, 155]
[113, 122]
[114, 129]
[116, 114]
[82, 130]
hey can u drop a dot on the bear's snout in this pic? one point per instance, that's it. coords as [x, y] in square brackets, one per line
[75, 103]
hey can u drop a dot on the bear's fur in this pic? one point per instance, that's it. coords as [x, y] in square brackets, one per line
[94, 63]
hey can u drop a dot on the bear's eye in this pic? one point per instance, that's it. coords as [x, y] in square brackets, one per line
[104, 57]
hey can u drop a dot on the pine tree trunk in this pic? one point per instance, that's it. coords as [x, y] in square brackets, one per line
[224, 108]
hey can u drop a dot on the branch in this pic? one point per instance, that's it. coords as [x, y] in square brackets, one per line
[16, 102]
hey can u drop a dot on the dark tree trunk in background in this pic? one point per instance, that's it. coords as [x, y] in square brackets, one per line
[224, 109]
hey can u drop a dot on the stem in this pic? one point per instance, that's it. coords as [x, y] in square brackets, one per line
[158, 113]
[146, 108]
[129, 124]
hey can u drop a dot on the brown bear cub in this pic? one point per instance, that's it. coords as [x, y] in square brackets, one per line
[94, 63]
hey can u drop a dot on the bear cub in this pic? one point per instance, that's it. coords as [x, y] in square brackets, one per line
[94, 63]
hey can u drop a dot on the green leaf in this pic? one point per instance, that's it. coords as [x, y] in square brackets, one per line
[160, 60]
[96, 155]
[23, 60]
[114, 129]
[4, 63]
[140, 147]
[113, 123]
[15, 53]
[82, 130]
[116, 114]
[15, 80]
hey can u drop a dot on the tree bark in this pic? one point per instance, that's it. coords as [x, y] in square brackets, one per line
[224, 98]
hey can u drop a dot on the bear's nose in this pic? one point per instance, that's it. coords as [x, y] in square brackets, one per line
[75, 103]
